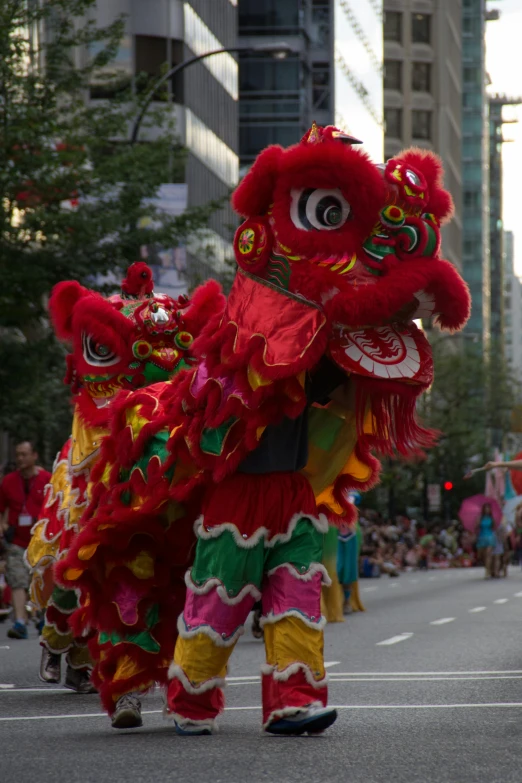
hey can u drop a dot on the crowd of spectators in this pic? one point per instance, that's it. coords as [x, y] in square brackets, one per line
[391, 546]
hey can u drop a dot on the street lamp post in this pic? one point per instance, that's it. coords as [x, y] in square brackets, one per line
[279, 51]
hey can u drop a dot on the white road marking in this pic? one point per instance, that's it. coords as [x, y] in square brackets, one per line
[501, 601]
[517, 595]
[395, 639]
[442, 621]
[482, 705]
[422, 679]
[5, 647]
[5, 686]
[393, 584]
[424, 674]
[368, 589]
[413, 581]
[431, 578]
[329, 664]
[478, 609]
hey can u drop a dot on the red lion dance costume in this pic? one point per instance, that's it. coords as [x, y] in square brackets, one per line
[124, 342]
[315, 362]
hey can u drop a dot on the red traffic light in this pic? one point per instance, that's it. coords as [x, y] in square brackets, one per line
[448, 485]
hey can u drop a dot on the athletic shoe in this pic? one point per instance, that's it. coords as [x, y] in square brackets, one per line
[192, 729]
[18, 631]
[50, 666]
[311, 720]
[79, 680]
[127, 714]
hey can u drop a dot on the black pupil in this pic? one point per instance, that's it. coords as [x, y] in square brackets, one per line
[329, 211]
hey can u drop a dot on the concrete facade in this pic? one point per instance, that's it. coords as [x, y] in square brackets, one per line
[203, 97]
[512, 309]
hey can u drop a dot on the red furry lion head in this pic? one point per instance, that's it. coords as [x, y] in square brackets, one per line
[361, 240]
[127, 341]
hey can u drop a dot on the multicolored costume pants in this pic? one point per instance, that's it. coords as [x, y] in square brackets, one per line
[259, 537]
[57, 636]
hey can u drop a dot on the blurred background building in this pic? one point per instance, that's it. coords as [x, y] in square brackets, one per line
[334, 77]
[512, 308]
[204, 100]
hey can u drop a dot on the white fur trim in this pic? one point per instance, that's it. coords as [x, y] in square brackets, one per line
[320, 523]
[289, 711]
[190, 632]
[177, 673]
[307, 576]
[310, 622]
[208, 723]
[206, 588]
[283, 675]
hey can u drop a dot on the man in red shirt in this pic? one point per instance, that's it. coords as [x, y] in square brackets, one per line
[21, 498]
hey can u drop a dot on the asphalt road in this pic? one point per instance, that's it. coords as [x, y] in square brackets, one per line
[428, 683]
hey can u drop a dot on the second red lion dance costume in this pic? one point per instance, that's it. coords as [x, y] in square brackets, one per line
[315, 361]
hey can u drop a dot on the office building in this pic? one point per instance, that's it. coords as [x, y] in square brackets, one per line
[204, 98]
[334, 76]
[497, 235]
[423, 91]
[512, 309]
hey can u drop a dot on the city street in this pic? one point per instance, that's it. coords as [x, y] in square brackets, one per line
[428, 684]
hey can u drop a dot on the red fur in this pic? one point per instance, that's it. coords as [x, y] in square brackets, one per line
[254, 194]
[440, 202]
[138, 282]
[62, 302]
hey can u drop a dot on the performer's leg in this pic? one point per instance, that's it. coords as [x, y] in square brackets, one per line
[57, 639]
[223, 585]
[294, 679]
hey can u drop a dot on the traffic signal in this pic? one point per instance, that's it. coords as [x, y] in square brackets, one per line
[448, 486]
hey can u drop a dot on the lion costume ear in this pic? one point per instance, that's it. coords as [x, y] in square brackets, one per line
[254, 193]
[62, 302]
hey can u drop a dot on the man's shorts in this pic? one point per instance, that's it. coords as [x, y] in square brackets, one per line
[16, 572]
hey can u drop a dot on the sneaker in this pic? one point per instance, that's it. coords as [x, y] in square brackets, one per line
[18, 631]
[311, 720]
[192, 729]
[127, 714]
[79, 680]
[50, 666]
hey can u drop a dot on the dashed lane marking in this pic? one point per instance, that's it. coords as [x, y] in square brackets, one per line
[5, 686]
[501, 601]
[329, 664]
[442, 621]
[402, 637]
[517, 595]
[368, 589]
[477, 609]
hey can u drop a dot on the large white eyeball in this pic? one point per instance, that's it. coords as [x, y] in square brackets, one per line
[319, 209]
[96, 353]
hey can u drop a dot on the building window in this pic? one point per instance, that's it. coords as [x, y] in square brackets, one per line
[264, 73]
[321, 86]
[269, 17]
[421, 77]
[420, 28]
[392, 28]
[392, 75]
[393, 122]
[421, 124]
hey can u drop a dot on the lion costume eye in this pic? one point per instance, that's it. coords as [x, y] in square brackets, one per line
[96, 353]
[319, 209]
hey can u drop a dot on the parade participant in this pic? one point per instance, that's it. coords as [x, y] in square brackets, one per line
[316, 361]
[21, 499]
[486, 538]
[124, 342]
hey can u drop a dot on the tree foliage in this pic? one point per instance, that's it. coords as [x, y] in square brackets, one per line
[76, 196]
[470, 406]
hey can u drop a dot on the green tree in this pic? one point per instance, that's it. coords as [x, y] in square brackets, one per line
[470, 406]
[75, 195]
